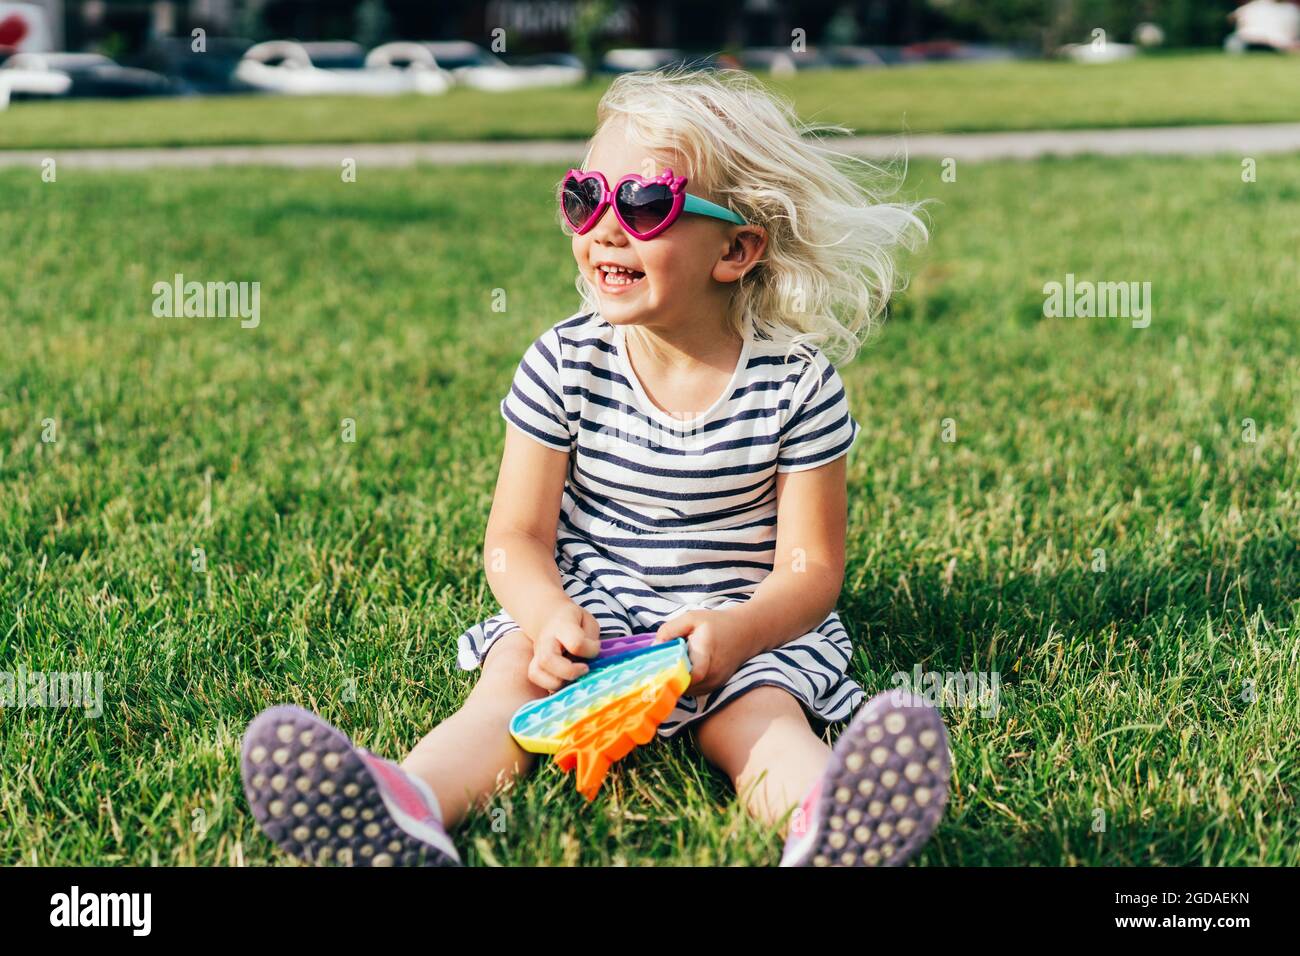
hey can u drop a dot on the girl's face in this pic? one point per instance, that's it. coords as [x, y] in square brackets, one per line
[673, 275]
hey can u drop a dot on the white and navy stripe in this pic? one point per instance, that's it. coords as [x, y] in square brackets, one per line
[663, 514]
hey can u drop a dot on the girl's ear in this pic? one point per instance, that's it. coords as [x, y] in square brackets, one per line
[746, 248]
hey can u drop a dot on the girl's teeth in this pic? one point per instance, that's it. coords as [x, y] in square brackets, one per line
[617, 275]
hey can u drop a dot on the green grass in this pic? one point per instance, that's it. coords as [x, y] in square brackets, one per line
[1171, 90]
[330, 563]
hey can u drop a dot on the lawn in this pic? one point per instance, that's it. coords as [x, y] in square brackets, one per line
[1172, 90]
[1159, 695]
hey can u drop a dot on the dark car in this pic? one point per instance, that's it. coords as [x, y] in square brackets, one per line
[209, 71]
[95, 75]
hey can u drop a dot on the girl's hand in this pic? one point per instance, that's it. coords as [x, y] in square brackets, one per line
[716, 642]
[567, 628]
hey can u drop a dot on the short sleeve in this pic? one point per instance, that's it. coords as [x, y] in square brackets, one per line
[821, 428]
[535, 402]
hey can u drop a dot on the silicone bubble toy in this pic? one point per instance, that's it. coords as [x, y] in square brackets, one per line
[632, 685]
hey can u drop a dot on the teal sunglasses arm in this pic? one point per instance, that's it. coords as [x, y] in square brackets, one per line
[702, 207]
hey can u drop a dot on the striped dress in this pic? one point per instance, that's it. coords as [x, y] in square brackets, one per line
[663, 514]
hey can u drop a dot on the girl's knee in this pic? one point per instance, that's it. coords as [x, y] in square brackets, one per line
[729, 735]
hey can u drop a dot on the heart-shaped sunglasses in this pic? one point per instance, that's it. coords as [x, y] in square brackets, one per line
[644, 207]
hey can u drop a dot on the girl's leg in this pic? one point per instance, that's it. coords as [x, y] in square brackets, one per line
[873, 799]
[470, 753]
[326, 800]
[763, 742]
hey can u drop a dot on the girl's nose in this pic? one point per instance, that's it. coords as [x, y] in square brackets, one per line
[609, 231]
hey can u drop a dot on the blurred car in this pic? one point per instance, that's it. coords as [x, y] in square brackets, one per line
[1107, 52]
[340, 69]
[478, 69]
[956, 51]
[631, 59]
[30, 78]
[191, 72]
[545, 59]
[782, 60]
[93, 75]
[854, 57]
[413, 58]
[1265, 25]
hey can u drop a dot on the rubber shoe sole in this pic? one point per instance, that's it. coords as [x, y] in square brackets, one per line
[314, 796]
[884, 790]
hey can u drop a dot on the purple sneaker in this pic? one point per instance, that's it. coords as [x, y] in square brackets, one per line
[326, 801]
[883, 791]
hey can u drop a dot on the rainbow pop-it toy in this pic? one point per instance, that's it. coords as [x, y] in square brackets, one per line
[633, 684]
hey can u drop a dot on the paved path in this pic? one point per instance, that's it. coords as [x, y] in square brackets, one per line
[1253, 140]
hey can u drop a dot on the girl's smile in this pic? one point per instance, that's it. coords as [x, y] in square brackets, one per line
[614, 279]
[683, 277]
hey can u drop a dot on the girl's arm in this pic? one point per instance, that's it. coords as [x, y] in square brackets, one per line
[808, 571]
[519, 555]
[801, 591]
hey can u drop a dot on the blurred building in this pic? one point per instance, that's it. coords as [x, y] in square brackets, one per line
[531, 25]
[125, 26]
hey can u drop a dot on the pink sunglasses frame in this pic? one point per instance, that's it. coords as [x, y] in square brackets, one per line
[682, 201]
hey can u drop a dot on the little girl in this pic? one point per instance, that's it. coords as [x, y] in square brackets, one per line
[674, 461]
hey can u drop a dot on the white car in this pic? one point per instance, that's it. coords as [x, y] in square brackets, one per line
[476, 68]
[92, 75]
[1107, 52]
[286, 67]
[30, 74]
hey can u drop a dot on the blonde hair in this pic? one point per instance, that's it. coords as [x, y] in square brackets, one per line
[829, 269]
